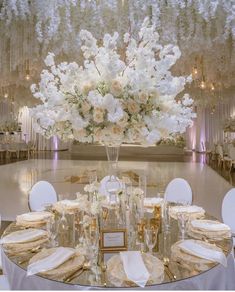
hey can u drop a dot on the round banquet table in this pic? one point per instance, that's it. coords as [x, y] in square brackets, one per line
[215, 278]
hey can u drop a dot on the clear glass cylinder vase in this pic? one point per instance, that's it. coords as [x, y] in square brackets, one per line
[113, 183]
[112, 153]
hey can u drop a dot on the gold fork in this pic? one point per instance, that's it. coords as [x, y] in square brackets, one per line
[166, 262]
[103, 269]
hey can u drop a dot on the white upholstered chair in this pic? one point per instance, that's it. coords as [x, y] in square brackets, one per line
[231, 157]
[41, 193]
[220, 155]
[228, 211]
[179, 190]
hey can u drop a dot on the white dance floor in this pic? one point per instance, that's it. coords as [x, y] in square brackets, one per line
[16, 180]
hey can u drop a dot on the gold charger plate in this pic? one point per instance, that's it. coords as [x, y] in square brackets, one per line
[200, 233]
[64, 270]
[38, 219]
[18, 247]
[190, 261]
[193, 211]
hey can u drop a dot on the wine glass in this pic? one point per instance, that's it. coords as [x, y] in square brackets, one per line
[63, 228]
[182, 222]
[52, 230]
[150, 235]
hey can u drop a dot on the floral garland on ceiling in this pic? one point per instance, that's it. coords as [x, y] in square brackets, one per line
[29, 29]
[54, 15]
[110, 98]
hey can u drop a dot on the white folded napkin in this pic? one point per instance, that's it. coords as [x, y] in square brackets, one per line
[190, 209]
[61, 255]
[187, 209]
[33, 216]
[69, 203]
[134, 267]
[203, 252]
[209, 225]
[26, 235]
[152, 201]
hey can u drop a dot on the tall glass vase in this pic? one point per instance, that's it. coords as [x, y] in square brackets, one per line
[113, 183]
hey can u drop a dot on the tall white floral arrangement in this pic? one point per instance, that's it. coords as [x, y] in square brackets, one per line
[116, 95]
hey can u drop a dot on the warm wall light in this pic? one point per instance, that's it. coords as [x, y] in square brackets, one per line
[6, 95]
[27, 75]
[203, 85]
[212, 87]
[195, 71]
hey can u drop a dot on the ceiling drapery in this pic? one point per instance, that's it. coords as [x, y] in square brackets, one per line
[204, 31]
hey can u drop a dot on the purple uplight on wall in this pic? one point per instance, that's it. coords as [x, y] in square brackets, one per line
[55, 143]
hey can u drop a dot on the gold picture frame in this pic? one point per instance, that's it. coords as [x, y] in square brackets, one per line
[113, 240]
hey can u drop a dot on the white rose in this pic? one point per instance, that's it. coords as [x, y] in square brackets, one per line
[98, 115]
[133, 107]
[85, 107]
[116, 88]
[143, 97]
[87, 88]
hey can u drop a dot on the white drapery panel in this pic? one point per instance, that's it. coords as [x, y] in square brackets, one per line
[30, 135]
[7, 110]
[208, 126]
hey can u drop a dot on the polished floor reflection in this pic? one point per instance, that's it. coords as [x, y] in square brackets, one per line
[67, 176]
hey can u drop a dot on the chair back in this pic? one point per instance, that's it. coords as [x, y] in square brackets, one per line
[105, 183]
[219, 150]
[41, 193]
[232, 152]
[228, 209]
[178, 190]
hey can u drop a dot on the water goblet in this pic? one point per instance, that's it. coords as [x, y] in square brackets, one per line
[150, 235]
[112, 186]
[143, 184]
[166, 215]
